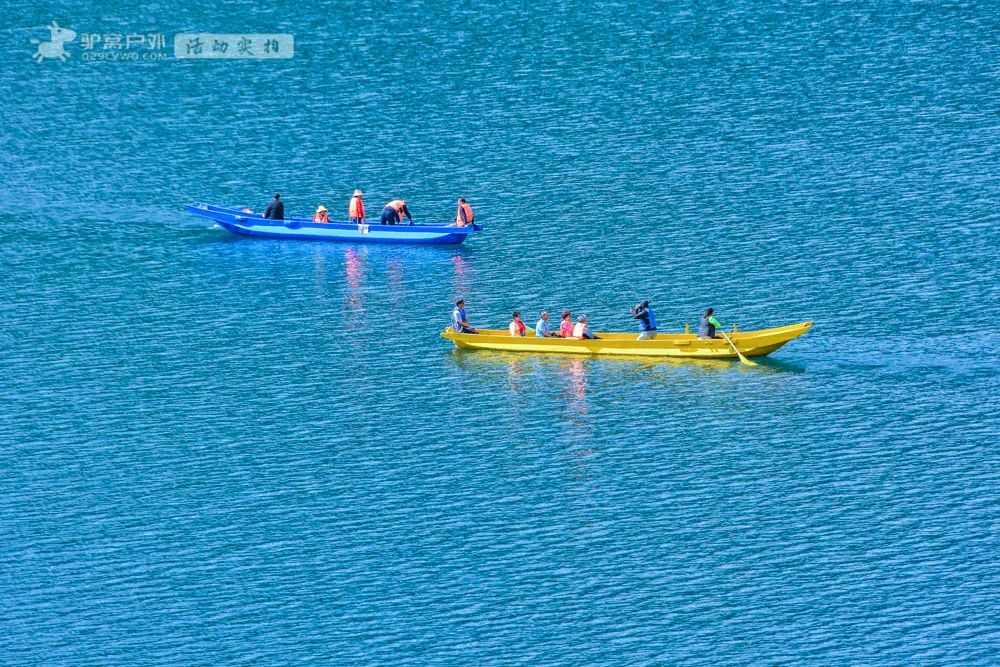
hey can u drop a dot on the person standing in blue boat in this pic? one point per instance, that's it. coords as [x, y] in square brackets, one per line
[542, 328]
[706, 329]
[356, 208]
[394, 211]
[460, 320]
[276, 209]
[647, 321]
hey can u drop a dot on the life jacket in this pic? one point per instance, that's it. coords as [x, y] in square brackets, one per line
[519, 327]
[469, 216]
[356, 209]
[321, 216]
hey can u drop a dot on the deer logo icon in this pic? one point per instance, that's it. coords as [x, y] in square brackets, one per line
[54, 48]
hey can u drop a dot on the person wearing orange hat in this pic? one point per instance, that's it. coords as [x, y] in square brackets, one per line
[356, 208]
[321, 214]
[394, 211]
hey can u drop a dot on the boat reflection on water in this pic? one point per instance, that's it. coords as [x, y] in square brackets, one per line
[354, 268]
[319, 271]
[576, 388]
[461, 269]
[354, 273]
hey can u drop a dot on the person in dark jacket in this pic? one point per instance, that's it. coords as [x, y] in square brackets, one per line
[394, 212]
[708, 325]
[276, 209]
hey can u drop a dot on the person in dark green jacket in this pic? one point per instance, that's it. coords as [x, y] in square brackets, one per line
[708, 325]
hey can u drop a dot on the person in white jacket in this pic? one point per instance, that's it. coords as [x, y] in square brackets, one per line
[580, 330]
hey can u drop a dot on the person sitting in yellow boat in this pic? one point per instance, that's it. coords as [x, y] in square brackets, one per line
[580, 330]
[543, 329]
[459, 320]
[321, 214]
[517, 327]
[706, 329]
[647, 320]
[566, 326]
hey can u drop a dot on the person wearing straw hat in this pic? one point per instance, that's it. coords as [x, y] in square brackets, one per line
[321, 214]
[356, 208]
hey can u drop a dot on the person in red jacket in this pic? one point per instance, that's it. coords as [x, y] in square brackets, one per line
[356, 208]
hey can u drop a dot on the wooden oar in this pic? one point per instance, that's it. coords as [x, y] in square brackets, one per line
[736, 349]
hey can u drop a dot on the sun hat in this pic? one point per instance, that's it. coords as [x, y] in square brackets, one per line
[320, 208]
[358, 193]
[582, 318]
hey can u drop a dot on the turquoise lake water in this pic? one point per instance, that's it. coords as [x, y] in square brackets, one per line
[217, 450]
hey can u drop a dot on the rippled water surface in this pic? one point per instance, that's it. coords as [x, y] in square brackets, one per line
[220, 450]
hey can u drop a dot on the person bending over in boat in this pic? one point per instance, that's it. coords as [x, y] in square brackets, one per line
[647, 320]
[580, 330]
[708, 324]
[356, 208]
[566, 326]
[394, 211]
[459, 320]
[276, 209]
[542, 328]
[516, 326]
[465, 216]
[321, 214]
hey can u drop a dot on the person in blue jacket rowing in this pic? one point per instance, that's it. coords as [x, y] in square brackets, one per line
[647, 320]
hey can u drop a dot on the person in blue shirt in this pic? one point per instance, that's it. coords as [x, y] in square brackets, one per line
[647, 321]
[542, 328]
[459, 320]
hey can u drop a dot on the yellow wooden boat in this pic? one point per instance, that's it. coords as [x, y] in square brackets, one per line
[685, 345]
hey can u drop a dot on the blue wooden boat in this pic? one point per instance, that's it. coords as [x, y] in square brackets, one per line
[253, 224]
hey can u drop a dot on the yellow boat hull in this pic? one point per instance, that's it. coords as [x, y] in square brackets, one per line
[679, 345]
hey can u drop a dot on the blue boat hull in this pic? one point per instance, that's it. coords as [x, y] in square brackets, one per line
[303, 229]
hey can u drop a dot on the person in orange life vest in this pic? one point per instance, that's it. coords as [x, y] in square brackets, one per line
[516, 327]
[321, 214]
[356, 208]
[465, 216]
[566, 326]
[394, 212]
